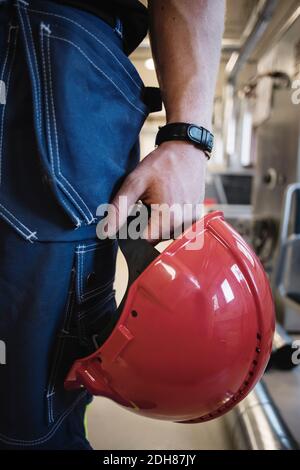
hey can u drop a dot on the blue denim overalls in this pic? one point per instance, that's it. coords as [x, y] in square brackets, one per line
[71, 110]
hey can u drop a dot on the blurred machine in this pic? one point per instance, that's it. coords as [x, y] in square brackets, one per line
[275, 197]
[262, 154]
[259, 192]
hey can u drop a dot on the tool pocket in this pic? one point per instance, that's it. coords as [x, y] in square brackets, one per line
[66, 351]
[94, 289]
[89, 309]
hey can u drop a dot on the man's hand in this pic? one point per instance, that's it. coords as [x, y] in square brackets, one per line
[174, 173]
[186, 43]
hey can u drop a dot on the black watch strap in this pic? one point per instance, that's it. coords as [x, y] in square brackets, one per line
[199, 136]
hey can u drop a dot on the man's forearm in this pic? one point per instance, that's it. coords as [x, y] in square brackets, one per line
[186, 42]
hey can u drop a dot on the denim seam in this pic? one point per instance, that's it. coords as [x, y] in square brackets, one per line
[10, 218]
[51, 381]
[37, 70]
[67, 326]
[51, 384]
[101, 71]
[35, 78]
[79, 273]
[85, 313]
[48, 436]
[81, 330]
[88, 216]
[81, 251]
[81, 263]
[92, 35]
[97, 247]
[98, 244]
[8, 50]
[119, 28]
[48, 126]
[104, 286]
[87, 251]
[91, 293]
[49, 131]
[4, 107]
[93, 247]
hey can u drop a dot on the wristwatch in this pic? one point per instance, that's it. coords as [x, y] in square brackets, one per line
[199, 136]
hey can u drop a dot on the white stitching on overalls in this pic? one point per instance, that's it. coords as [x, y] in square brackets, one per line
[97, 246]
[7, 89]
[12, 224]
[81, 277]
[102, 287]
[140, 110]
[78, 280]
[49, 124]
[85, 313]
[81, 251]
[100, 244]
[10, 217]
[53, 391]
[37, 71]
[92, 35]
[47, 103]
[119, 28]
[92, 219]
[32, 237]
[92, 249]
[51, 383]
[48, 436]
[36, 84]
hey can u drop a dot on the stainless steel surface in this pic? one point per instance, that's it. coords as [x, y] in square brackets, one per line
[287, 25]
[257, 24]
[286, 280]
[283, 350]
[277, 140]
[281, 338]
[291, 192]
[220, 189]
[255, 424]
[232, 211]
[284, 386]
[277, 155]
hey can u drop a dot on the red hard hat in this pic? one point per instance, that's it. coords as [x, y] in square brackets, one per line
[194, 333]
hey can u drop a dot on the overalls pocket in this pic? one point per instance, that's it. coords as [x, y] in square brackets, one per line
[66, 350]
[89, 309]
[95, 291]
[88, 106]
[9, 38]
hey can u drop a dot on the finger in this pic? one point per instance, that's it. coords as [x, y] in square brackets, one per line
[159, 226]
[171, 222]
[129, 193]
[192, 213]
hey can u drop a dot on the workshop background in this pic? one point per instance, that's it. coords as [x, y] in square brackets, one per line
[254, 177]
